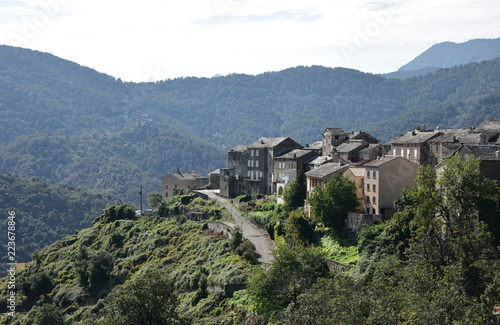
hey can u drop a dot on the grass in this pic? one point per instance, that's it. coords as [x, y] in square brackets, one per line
[337, 250]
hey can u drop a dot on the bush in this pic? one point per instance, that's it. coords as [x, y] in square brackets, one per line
[247, 250]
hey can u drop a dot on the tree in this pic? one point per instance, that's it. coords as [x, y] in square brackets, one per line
[294, 270]
[45, 314]
[154, 200]
[295, 193]
[146, 299]
[330, 205]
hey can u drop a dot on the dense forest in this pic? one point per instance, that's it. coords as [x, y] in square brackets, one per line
[69, 124]
[44, 213]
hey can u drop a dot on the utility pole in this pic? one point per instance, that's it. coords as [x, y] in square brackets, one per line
[140, 192]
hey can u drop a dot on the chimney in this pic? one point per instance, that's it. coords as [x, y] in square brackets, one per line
[424, 129]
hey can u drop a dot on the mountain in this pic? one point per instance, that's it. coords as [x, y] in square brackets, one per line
[69, 124]
[449, 54]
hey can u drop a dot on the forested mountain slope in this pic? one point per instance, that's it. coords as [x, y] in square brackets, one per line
[67, 123]
[44, 213]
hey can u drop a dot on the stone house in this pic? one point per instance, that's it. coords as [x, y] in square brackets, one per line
[384, 180]
[287, 165]
[187, 181]
[250, 167]
[431, 147]
[414, 145]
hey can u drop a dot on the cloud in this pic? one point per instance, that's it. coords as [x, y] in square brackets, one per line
[304, 15]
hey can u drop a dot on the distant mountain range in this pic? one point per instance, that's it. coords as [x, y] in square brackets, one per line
[449, 54]
[69, 124]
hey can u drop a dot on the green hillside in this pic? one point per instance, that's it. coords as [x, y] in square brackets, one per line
[86, 274]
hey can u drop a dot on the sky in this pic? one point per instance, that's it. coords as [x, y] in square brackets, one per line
[151, 40]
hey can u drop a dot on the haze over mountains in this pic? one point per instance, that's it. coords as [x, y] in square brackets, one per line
[69, 124]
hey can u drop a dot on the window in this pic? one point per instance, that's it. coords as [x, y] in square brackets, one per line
[402, 153]
[368, 187]
[257, 152]
[260, 174]
[175, 185]
[336, 137]
[166, 194]
[367, 174]
[393, 152]
[415, 153]
[368, 199]
[251, 153]
[249, 163]
[166, 186]
[251, 174]
[374, 188]
[374, 200]
[374, 174]
[408, 153]
[256, 163]
[252, 163]
[248, 173]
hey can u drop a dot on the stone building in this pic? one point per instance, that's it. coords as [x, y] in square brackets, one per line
[250, 167]
[186, 181]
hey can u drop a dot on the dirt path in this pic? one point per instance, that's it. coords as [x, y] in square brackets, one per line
[263, 244]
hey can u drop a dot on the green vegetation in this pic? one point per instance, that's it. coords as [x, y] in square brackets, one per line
[330, 205]
[107, 273]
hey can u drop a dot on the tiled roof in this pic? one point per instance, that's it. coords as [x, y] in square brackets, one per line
[381, 161]
[335, 130]
[457, 135]
[357, 171]
[484, 152]
[316, 145]
[297, 153]
[186, 176]
[348, 147]
[267, 142]
[239, 148]
[489, 125]
[319, 160]
[326, 170]
[414, 137]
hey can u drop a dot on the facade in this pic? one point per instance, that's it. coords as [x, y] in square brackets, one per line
[384, 180]
[188, 181]
[414, 146]
[357, 175]
[332, 138]
[250, 167]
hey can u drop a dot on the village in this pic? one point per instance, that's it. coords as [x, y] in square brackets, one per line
[380, 171]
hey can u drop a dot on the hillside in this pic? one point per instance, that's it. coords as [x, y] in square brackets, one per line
[44, 213]
[85, 274]
[449, 54]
